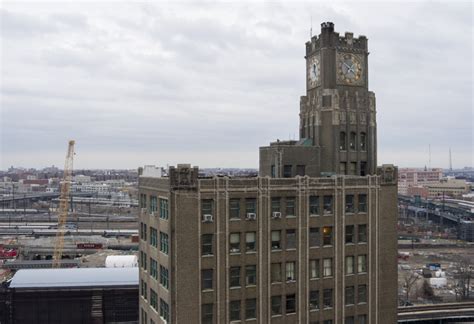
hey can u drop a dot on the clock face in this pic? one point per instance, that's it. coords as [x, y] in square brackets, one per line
[349, 68]
[313, 71]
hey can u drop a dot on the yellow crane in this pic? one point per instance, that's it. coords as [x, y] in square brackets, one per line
[63, 205]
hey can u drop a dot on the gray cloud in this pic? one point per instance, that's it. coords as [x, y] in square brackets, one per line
[163, 83]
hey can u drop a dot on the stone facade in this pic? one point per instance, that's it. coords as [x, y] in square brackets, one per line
[301, 243]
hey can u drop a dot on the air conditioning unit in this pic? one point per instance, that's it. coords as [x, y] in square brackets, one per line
[251, 216]
[207, 218]
[276, 215]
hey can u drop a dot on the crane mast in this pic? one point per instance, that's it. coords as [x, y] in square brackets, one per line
[63, 205]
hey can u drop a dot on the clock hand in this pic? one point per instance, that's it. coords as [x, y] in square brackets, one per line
[349, 67]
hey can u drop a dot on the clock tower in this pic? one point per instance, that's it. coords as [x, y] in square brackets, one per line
[338, 112]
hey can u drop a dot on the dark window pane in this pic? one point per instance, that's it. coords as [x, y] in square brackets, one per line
[327, 205]
[314, 205]
[287, 171]
[300, 170]
[349, 203]
[207, 244]
[327, 298]
[314, 237]
[276, 305]
[251, 308]
[290, 239]
[314, 300]
[234, 276]
[362, 203]
[349, 295]
[342, 141]
[362, 233]
[206, 278]
[234, 208]
[235, 310]
[207, 313]
[290, 303]
[251, 275]
[349, 234]
[290, 206]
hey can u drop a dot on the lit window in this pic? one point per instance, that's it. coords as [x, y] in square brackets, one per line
[314, 269]
[290, 271]
[327, 267]
[327, 235]
[234, 242]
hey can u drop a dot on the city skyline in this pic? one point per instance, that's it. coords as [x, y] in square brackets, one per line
[163, 84]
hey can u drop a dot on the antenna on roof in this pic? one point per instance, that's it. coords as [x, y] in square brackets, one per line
[429, 157]
[450, 161]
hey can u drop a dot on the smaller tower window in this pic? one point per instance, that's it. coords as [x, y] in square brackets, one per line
[363, 142]
[287, 171]
[352, 141]
[342, 141]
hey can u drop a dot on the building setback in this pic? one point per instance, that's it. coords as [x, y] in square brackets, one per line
[312, 239]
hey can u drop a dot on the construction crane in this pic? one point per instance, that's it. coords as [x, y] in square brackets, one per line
[63, 205]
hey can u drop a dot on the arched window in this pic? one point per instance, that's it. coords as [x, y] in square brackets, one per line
[342, 141]
[352, 141]
[363, 142]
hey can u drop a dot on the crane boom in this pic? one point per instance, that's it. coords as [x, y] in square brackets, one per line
[63, 205]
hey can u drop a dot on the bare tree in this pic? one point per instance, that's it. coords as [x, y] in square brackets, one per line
[409, 281]
[462, 278]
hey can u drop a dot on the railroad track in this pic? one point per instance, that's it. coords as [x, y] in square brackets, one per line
[464, 310]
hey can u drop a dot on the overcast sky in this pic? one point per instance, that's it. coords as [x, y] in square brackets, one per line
[159, 83]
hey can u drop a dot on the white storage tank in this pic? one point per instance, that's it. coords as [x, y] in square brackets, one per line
[121, 261]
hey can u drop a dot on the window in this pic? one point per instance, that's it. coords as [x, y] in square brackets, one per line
[206, 244]
[362, 263]
[327, 101]
[207, 207]
[153, 268]
[327, 267]
[144, 317]
[349, 234]
[250, 241]
[234, 208]
[276, 305]
[251, 275]
[314, 237]
[251, 205]
[290, 206]
[300, 170]
[276, 240]
[143, 289]
[353, 168]
[342, 141]
[251, 308]
[142, 201]
[352, 141]
[164, 310]
[362, 234]
[153, 299]
[327, 298]
[363, 142]
[363, 168]
[143, 231]
[234, 274]
[153, 205]
[273, 173]
[207, 313]
[362, 203]
[314, 269]
[234, 242]
[290, 303]
[327, 205]
[235, 310]
[362, 319]
[342, 167]
[349, 320]
[287, 171]
[143, 258]
[349, 203]
[327, 235]
[349, 265]
[276, 272]
[164, 281]
[314, 300]
[276, 204]
[362, 294]
[327, 322]
[290, 271]
[164, 242]
[206, 277]
[349, 295]
[290, 239]
[153, 237]
[164, 209]
[313, 205]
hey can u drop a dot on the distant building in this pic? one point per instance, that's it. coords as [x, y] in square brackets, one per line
[448, 187]
[311, 239]
[76, 295]
[412, 177]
